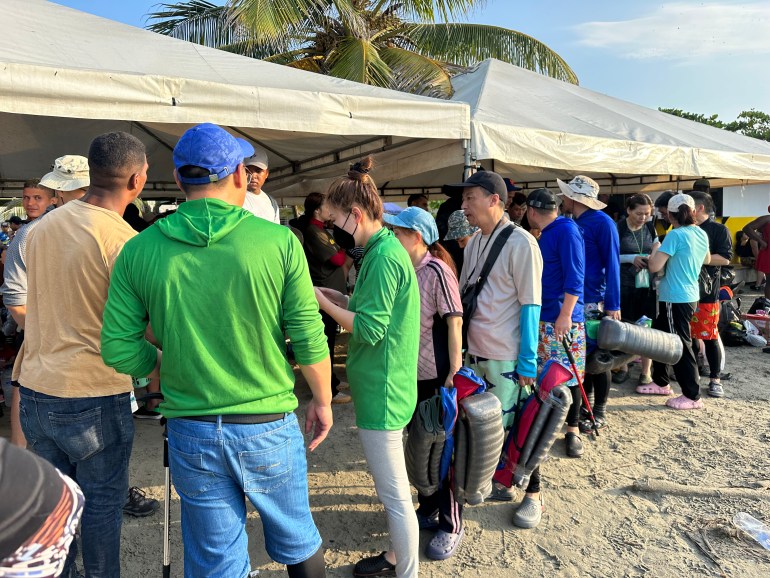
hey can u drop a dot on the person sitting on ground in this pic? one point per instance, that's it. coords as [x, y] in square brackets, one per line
[561, 316]
[682, 253]
[759, 230]
[257, 201]
[226, 376]
[441, 317]
[602, 274]
[326, 261]
[460, 232]
[705, 322]
[383, 318]
[637, 294]
[418, 200]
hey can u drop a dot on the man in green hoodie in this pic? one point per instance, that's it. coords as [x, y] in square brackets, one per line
[228, 388]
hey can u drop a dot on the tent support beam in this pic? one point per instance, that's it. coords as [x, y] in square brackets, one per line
[260, 143]
[155, 137]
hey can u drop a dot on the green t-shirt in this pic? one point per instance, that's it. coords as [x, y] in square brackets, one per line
[220, 287]
[382, 352]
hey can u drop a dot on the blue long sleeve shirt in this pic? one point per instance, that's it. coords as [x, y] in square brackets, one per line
[602, 259]
[561, 245]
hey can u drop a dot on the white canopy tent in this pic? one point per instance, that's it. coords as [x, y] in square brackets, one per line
[535, 129]
[66, 76]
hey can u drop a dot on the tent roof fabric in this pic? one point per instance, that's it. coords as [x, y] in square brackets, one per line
[522, 118]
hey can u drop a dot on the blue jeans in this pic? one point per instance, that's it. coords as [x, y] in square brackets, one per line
[214, 466]
[90, 440]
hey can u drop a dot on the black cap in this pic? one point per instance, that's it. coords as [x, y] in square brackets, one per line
[16, 220]
[487, 180]
[702, 185]
[542, 199]
[663, 199]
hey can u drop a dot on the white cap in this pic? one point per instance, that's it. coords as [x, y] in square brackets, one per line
[258, 159]
[680, 199]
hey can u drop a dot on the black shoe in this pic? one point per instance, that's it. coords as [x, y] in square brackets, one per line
[374, 566]
[620, 376]
[586, 426]
[574, 445]
[704, 371]
[144, 413]
[138, 504]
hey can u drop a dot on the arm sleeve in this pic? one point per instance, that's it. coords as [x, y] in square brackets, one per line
[724, 244]
[15, 272]
[124, 347]
[338, 260]
[445, 292]
[526, 365]
[610, 246]
[302, 320]
[669, 245]
[573, 263]
[374, 302]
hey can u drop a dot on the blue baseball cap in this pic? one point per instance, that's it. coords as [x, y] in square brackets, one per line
[212, 148]
[416, 219]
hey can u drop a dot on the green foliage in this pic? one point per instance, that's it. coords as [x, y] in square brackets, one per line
[407, 45]
[751, 123]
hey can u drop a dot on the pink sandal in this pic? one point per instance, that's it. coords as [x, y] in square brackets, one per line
[683, 402]
[653, 389]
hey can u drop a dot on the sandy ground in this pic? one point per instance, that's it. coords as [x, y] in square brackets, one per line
[595, 523]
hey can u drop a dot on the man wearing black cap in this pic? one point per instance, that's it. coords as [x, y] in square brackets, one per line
[503, 328]
[227, 385]
[561, 316]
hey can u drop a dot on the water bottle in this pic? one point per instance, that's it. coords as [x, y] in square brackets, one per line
[754, 528]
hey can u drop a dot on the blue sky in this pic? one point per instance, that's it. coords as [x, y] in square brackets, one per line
[706, 57]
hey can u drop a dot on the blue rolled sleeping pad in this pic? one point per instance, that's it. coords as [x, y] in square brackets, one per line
[449, 418]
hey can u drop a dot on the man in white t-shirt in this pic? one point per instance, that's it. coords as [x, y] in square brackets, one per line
[258, 202]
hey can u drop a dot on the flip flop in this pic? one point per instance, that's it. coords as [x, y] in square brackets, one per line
[443, 545]
[653, 389]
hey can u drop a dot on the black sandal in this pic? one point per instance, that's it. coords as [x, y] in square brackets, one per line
[374, 566]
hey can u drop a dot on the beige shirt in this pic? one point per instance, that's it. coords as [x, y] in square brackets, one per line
[514, 280]
[70, 256]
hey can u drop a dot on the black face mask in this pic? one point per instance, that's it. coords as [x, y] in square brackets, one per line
[343, 238]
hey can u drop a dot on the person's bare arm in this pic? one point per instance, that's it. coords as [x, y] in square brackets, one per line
[318, 416]
[19, 314]
[752, 230]
[455, 326]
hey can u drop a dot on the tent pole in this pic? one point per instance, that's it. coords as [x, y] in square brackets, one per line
[468, 168]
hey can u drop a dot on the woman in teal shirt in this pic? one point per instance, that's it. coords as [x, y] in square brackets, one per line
[684, 250]
[383, 317]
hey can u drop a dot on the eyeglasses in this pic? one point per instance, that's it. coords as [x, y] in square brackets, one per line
[249, 176]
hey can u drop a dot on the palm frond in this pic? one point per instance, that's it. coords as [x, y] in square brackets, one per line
[358, 59]
[416, 74]
[272, 18]
[468, 44]
[432, 10]
[196, 21]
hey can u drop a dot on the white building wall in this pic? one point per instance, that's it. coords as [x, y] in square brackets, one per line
[746, 201]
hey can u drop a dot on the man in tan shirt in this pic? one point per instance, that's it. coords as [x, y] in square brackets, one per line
[76, 411]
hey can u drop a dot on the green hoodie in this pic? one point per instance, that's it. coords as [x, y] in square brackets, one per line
[220, 287]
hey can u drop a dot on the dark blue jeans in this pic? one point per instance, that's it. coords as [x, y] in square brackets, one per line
[90, 440]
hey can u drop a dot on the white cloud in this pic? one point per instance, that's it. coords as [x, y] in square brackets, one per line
[685, 31]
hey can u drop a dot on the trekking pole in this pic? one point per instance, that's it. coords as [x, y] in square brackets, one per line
[580, 385]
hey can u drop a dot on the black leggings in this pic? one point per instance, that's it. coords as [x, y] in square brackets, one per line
[599, 385]
[675, 318]
[713, 355]
[573, 415]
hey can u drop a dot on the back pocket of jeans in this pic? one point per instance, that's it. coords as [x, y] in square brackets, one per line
[188, 474]
[79, 435]
[265, 470]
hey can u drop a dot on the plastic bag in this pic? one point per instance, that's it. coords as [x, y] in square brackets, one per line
[642, 279]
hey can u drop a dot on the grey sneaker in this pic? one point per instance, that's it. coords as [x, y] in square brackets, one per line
[528, 513]
[716, 389]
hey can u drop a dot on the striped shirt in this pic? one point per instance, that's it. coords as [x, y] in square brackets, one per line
[439, 299]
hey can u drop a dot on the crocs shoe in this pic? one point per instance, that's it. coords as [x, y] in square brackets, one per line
[653, 389]
[574, 445]
[716, 389]
[444, 545]
[529, 513]
[374, 566]
[683, 402]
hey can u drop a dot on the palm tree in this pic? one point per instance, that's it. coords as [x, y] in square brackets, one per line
[397, 44]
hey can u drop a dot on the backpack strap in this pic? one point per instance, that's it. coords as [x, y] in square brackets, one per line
[494, 253]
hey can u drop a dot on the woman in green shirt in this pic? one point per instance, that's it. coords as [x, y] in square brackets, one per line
[383, 318]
